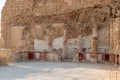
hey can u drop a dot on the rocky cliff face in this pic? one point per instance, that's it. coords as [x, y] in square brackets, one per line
[54, 16]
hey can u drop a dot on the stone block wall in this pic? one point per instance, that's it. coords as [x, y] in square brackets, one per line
[50, 19]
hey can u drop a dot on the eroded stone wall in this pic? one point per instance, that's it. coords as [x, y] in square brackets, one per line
[50, 19]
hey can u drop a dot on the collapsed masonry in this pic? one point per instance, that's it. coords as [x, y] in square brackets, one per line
[90, 25]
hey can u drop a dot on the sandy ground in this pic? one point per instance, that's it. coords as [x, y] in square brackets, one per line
[57, 71]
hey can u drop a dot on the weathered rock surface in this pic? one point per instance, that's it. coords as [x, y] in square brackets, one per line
[47, 20]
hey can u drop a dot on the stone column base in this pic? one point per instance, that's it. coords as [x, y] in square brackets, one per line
[93, 57]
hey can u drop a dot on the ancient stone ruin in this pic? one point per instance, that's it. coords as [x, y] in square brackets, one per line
[89, 25]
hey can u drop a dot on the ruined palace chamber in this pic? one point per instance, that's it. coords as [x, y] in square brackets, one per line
[42, 27]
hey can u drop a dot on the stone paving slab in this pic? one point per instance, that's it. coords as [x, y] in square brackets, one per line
[57, 71]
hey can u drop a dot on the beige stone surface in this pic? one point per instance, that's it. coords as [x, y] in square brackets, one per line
[5, 56]
[23, 21]
[58, 71]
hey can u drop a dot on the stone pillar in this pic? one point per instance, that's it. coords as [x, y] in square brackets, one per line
[65, 42]
[111, 39]
[117, 39]
[31, 44]
[94, 39]
[94, 44]
[80, 43]
[50, 48]
[113, 36]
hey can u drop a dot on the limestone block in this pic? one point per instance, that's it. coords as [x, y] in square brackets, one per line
[5, 56]
[100, 58]
[57, 43]
[93, 57]
[40, 45]
[112, 58]
[37, 56]
[87, 56]
[75, 58]
[52, 56]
